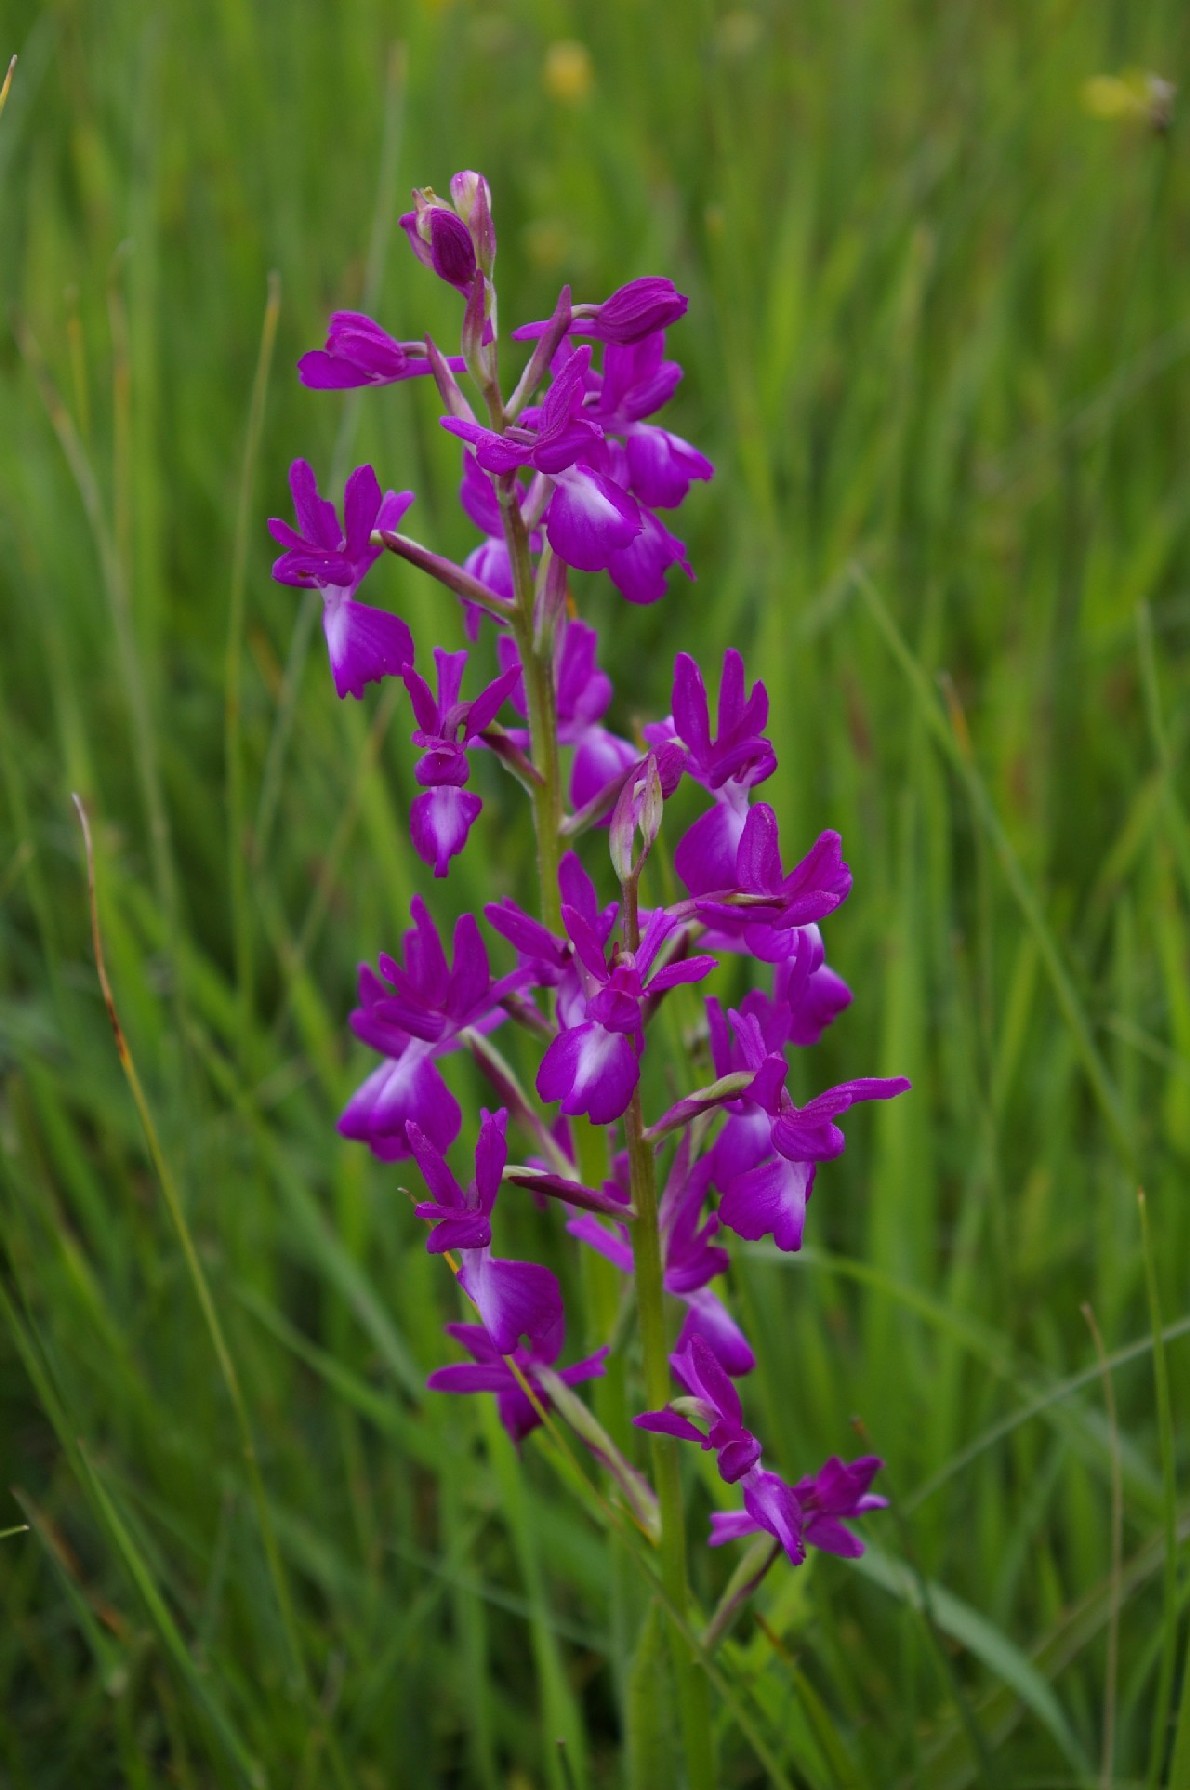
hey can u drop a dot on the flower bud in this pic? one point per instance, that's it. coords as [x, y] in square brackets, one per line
[440, 240]
[634, 311]
[473, 201]
[652, 804]
[640, 805]
[622, 833]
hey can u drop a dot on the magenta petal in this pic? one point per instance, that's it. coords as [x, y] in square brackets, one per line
[820, 1002]
[810, 1131]
[706, 855]
[669, 1423]
[590, 1070]
[488, 703]
[690, 969]
[819, 884]
[589, 519]
[745, 1141]
[316, 516]
[636, 310]
[610, 1244]
[514, 1299]
[701, 1370]
[768, 1200]
[491, 1149]
[661, 466]
[391, 513]
[472, 1230]
[690, 712]
[464, 1376]
[490, 564]
[323, 372]
[737, 1457]
[600, 758]
[728, 1525]
[639, 569]
[443, 1188]
[584, 936]
[439, 822]
[495, 453]
[410, 1087]
[758, 861]
[774, 1507]
[361, 506]
[591, 1367]
[799, 1138]
[708, 1317]
[833, 1537]
[365, 644]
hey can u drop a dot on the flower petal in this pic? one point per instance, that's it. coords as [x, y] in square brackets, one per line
[364, 644]
[589, 519]
[770, 1200]
[439, 822]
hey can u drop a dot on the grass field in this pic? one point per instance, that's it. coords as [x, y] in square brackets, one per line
[938, 345]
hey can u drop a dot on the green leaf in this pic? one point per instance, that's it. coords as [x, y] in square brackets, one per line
[653, 1742]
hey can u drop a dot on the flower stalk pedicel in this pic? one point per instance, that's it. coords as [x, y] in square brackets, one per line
[568, 473]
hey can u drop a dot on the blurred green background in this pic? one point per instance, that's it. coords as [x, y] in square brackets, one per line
[937, 345]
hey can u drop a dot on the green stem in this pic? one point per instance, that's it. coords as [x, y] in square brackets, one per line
[650, 1306]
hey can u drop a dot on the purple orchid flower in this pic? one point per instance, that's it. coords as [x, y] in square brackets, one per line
[811, 1511]
[414, 1015]
[358, 352]
[839, 1489]
[637, 381]
[549, 437]
[807, 997]
[593, 1066]
[440, 240]
[728, 765]
[765, 1184]
[441, 819]
[462, 1218]
[739, 753]
[514, 1299]
[712, 1399]
[759, 897]
[544, 959]
[364, 644]
[589, 517]
[490, 1371]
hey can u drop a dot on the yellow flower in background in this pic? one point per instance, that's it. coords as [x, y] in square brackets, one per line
[548, 242]
[1136, 95]
[569, 73]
